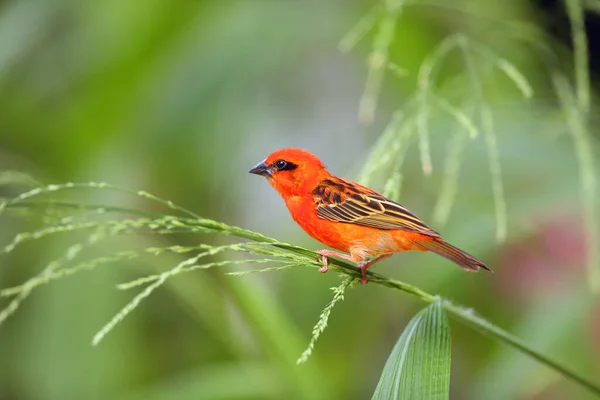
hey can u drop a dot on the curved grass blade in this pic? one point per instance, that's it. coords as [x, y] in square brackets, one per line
[361, 29]
[17, 178]
[378, 60]
[425, 79]
[419, 365]
[379, 155]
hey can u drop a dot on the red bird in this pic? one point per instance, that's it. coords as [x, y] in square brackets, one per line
[350, 217]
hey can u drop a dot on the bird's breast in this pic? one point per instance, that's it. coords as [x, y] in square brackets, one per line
[304, 212]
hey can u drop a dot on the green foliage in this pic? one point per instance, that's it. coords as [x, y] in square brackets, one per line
[472, 113]
[475, 114]
[419, 365]
[111, 96]
[285, 254]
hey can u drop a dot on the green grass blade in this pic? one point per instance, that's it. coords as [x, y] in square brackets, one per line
[378, 61]
[487, 120]
[393, 185]
[426, 79]
[445, 201]
[17, 178]
[580, 45]
[419, 366]
[379, 156]
[578, 128]
[361, 29]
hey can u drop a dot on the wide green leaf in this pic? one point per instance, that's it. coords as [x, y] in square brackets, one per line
[419, 365]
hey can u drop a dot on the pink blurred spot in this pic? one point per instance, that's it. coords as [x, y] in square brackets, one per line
[552, 257]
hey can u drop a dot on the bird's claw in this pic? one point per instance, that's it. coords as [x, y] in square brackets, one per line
[363, 272]
[325, 267]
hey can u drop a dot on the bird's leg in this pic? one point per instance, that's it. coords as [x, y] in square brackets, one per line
[325, 254]
[366, 264]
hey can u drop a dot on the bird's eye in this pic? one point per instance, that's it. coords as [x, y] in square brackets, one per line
[280, 164]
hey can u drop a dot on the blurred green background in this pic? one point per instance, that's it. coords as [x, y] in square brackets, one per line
[180, 98]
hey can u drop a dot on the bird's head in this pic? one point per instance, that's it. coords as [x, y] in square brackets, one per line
[291, 171]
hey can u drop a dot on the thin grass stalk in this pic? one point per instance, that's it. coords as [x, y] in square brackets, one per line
[575, 13]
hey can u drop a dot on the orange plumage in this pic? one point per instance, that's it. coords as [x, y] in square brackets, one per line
[350, 217]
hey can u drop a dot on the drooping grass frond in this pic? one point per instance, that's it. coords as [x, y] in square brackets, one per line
[400, 147]
[516, 76]
[102, 228]
[503, 64]
[425, 79]
[380, 156]
[495, 172]
[576, 107]
[189, 268]
[95, 230]
[58, 273]
[152, 278]
[338, 295]
[190, 264]
[54, 270]
[13, 306]
[269, 269]
[109, 259]
[378, 61]
[458, 115]
[141, 296]
[470, 61]
[486, 119]
[361, 29]
[26, 290]
[397, 70]
[581, 57]
[577, 126]
[445, 200]
[390, 148]
[17, 178]
[54, 188]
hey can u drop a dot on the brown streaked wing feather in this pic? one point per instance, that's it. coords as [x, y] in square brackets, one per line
[342, 201]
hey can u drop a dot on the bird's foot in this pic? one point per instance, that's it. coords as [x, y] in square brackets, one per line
[325, 267]
[366, 264]
[325, 259]
[363, 272]
[325, 254]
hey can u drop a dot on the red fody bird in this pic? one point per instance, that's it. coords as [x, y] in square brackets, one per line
[350, 217]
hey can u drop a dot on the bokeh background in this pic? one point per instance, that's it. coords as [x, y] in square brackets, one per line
[180, 98]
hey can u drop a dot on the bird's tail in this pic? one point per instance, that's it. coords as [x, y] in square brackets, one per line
[454, 254]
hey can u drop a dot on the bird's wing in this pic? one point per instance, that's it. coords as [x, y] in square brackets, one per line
[344, 201]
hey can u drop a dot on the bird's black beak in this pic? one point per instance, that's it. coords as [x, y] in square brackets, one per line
[261, 169]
